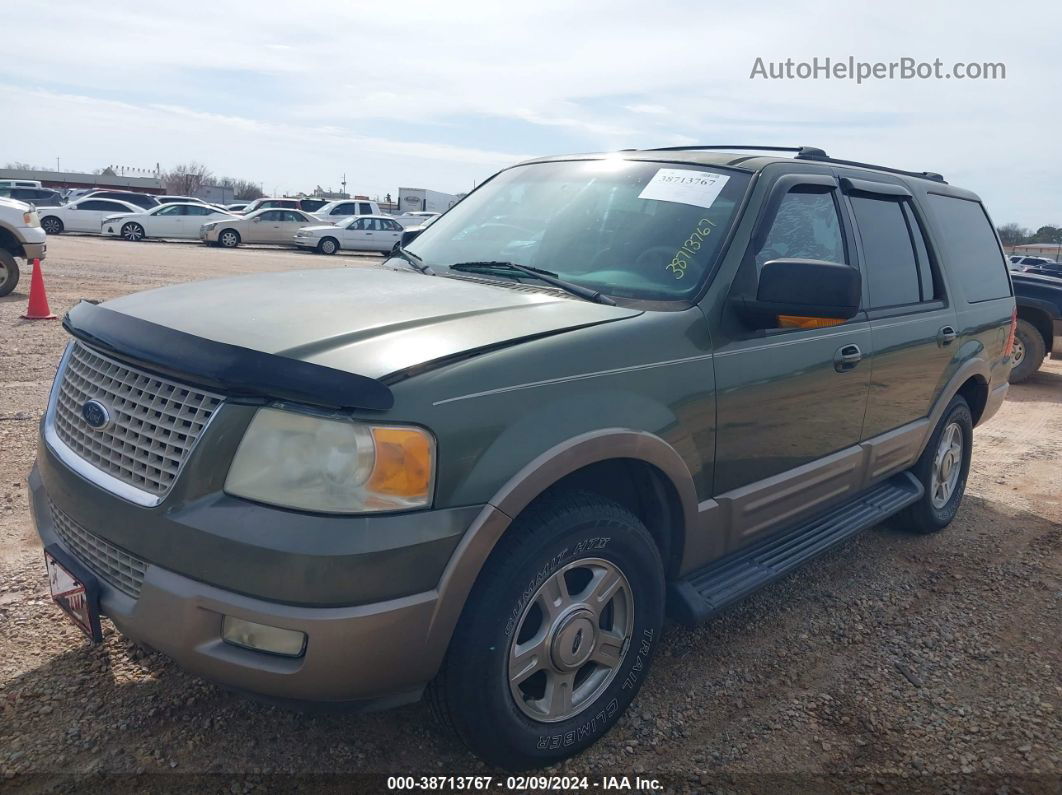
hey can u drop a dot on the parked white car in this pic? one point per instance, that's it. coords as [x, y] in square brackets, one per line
[271, 203]
[82, 215]
[417, 218]
[179, 221]
[363, 233]
[339, 212]
[261, 226]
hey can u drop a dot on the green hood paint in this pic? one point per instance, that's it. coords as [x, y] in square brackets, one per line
[369, 321]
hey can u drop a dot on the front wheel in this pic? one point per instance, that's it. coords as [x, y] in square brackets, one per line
[328, 246]
[133, 232]
[9, 273]
[557, 635]
[230, 238]
[942, 470]
[52, 225]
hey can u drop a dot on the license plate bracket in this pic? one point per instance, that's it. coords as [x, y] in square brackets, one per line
[75, 589]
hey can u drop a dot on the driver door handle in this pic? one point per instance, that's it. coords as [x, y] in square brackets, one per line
[846, 358]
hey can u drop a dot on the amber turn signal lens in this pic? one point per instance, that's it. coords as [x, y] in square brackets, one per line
[794, 321]
[403, 462]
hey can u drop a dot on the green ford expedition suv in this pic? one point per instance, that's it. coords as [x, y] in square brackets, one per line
[599, 391]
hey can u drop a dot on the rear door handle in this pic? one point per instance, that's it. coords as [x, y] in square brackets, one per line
[846, 358]
[946, 336]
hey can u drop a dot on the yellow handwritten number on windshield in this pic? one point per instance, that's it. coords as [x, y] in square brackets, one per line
[690, 247]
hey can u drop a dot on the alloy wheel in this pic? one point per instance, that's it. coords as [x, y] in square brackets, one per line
[947, 465]
[570, 640]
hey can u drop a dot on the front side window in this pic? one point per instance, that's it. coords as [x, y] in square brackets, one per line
[628, 228]
[343, 209]
[170, 209]
[806, 226]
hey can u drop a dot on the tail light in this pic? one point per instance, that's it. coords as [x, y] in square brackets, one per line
[1009, 346]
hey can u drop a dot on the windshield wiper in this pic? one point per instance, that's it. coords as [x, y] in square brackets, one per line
[549, 277]
[416, 262]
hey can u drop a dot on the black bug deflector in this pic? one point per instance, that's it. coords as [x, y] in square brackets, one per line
[230, 369]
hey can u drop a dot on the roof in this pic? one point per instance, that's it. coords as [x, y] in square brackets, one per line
[752, 161]
[100, 180]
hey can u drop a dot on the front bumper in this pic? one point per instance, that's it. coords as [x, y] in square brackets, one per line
[382, 653]
[34, 250]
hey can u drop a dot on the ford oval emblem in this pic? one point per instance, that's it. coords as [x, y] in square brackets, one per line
[97, 415]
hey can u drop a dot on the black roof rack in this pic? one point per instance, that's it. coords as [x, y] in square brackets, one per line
[802, 151]
[808, 153]
[823, 157]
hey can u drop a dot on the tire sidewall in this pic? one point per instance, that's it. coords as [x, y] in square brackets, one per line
[1034, 352]
[51, 220]
[514, 739]
[131, 226]
[325, 244]
[234, 244]
[959, 412]
[9, 267]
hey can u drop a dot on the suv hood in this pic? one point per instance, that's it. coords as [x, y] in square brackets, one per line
[368, 321]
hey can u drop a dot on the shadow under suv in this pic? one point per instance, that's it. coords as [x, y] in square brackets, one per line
[598, 390]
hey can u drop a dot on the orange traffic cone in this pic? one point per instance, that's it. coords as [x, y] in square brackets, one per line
[38, 298]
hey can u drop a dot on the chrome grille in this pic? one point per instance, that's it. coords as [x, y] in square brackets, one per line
[116, 566]
[154, 421]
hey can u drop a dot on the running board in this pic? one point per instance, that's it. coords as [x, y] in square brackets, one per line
[705, 592]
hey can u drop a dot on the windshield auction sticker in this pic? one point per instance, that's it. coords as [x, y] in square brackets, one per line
[699, 188]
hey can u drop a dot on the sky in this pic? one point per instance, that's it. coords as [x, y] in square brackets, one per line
[441, 95]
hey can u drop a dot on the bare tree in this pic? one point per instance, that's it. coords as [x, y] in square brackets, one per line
[242, 188]
[18, 165]
[186, 178]
[1013, 234]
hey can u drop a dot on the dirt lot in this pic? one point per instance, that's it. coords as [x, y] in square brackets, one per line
[893, 663]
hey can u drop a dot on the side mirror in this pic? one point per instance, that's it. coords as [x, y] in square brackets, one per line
[411, 234]
[257, 218]
[804, 288]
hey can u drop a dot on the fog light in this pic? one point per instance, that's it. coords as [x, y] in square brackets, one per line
[261, 637]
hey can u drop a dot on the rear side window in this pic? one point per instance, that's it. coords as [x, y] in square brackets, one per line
[969, 247]
[364, 209]
[888, 252]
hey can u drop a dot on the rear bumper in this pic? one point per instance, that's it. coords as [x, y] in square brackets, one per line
[381, 653]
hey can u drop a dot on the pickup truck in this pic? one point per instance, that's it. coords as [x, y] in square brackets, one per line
[1039, 331]
[20, 236]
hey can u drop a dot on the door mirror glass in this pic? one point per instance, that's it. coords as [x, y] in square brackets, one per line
[409, 235]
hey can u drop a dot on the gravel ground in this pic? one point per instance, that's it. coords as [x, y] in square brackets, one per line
[893, 663]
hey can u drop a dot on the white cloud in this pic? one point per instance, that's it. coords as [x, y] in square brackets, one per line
[320, 81]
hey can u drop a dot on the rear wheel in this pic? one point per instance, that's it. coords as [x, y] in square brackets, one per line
[557, 635]
[133, 231]
[328, 246]
[9, 272]
[52, 225]
[942, 470]
[1028, 353]
[230, 238]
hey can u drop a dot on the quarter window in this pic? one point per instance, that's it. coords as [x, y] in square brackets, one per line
[806, 226]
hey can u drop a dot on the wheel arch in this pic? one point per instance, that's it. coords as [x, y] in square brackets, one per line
[607, 462]
[1040, 320]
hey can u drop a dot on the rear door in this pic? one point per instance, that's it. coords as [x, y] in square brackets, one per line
[91, 212]
[790, 400]
[913, 325]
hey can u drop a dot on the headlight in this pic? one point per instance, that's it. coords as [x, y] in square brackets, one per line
[31, 218]
[208, 227]
[332, 465]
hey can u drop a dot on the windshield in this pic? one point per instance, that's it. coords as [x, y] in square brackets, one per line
[623, 227]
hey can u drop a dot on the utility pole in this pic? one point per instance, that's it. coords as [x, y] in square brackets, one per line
[57, 164]
[344, 183]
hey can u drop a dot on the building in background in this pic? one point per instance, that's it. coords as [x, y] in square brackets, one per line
[59, 180]
[216, 194]
[412, 200]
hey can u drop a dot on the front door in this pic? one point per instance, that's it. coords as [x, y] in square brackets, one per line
[791, 399]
